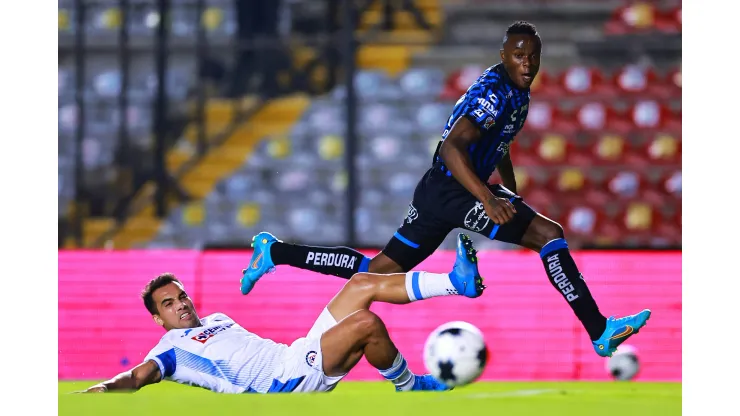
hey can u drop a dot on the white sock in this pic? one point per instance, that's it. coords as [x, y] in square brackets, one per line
[423, 285]
[399, 374]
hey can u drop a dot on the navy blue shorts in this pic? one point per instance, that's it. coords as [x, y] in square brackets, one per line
[440, 205]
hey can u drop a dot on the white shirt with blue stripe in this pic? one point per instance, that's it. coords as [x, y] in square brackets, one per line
[220, 356]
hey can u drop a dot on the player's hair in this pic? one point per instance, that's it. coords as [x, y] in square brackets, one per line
[154, 284]
[521, 27]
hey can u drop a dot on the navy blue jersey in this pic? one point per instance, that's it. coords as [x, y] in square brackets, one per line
[499, 108]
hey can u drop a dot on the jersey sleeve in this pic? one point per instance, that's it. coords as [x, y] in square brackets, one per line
[484, 106]
[164, 355]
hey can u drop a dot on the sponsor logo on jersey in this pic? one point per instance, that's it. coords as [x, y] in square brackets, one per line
[210, 333]
[487, 106]
[311, 358]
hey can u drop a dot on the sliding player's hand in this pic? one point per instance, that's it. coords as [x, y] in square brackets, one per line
[499, 210]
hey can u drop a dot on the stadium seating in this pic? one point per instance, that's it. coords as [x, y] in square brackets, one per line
[574, 163]
[643, 16]
[600, 152]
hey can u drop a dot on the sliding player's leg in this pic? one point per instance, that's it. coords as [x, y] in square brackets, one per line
[360, 332]
[363, 333]
[400, 288]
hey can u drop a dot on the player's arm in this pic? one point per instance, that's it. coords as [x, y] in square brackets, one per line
[454, 153]
[132, 380]
[506, 171]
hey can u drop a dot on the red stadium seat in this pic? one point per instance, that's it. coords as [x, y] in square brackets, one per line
[635, 17]
[625, 184]
[459, 81]
[671, 183]
[639, 222]
[614, 149]
[664, 149]
[673, 81]
[597, 117]
[637, 81]
[546, 117]
[581, 81]
[546, 86]
[582, 220]
[651, 115]
[569, 184]
[668, 21]
[555, 149]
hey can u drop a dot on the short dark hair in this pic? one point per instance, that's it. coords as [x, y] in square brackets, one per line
[154, 284]
[522, 27]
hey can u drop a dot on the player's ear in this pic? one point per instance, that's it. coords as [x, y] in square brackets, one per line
[158, 320]
[501, 53]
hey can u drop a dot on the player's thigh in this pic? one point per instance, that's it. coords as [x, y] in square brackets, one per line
[417, 238]
[342, 345]
[323, 323]
[512, 231]
[302, 369]
[465, 211]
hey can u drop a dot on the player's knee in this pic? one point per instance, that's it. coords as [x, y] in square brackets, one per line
[360, 282]
[551, 231]
[545, 231]
[367, 323]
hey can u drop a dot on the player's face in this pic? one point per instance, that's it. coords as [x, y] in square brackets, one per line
[175, 308]
[521, 58]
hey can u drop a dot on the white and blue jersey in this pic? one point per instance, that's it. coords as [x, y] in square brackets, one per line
[223, 357]
[499, 108]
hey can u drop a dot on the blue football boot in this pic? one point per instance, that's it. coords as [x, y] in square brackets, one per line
[260, 263]
[464, 276]
[427, 382]
[619, 330]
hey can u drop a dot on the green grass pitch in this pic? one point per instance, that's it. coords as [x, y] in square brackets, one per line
[378, 398]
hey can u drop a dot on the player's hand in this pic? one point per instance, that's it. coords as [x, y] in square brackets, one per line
[94, 389]
[499, 210]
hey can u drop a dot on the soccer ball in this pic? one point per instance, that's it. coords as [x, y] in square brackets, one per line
[455, 353]
[623, 364]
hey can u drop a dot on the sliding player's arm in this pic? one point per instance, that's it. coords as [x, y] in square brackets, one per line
[132, 380]
[506, 171]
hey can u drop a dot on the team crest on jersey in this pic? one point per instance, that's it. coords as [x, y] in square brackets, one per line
[412, 214]
[489, 122]
[311, 358]
[210, 333]
[476, 219]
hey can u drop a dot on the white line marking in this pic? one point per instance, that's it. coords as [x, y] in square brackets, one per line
[513, 393]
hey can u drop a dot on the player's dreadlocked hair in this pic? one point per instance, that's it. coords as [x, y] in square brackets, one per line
[159, 281]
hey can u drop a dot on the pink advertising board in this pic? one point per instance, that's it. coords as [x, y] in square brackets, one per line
[531, 332]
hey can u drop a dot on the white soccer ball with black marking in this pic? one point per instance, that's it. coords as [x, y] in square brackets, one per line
[623, 365]
[455, 353]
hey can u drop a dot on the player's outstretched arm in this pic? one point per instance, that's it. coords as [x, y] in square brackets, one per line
[506, 171]
[132, 380]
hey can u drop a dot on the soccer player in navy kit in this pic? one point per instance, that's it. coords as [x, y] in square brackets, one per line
[454, 193]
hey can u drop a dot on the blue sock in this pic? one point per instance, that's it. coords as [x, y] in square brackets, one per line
[399, 374]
